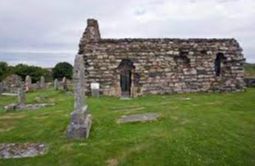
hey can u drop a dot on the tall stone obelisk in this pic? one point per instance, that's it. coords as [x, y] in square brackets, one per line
[80, 124]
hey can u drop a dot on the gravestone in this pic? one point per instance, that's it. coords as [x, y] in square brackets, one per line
[11, 83]
[21, 95]
[80, 118]
[37, 85]
[94, 89]
[28, 83]
[1, 88]
[64, 84]
[42, 82]
[21, 105]
[56, 84]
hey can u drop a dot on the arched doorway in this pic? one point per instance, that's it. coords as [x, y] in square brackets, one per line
[125, 69]
[218, 64]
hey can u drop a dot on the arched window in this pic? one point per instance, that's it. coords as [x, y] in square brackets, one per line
[218, 63]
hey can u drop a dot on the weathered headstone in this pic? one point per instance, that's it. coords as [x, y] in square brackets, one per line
[56, 84]
[94, 89]
[1, 88]
[11, 83]
[28, 83]
[64, 84]
[37, 85]
[21, 105]
[42, 82]
[21, 95]
[80, 119]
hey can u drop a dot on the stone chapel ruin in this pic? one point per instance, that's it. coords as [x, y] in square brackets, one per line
[134, 67]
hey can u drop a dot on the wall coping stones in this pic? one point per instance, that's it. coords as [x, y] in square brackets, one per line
[159, 40]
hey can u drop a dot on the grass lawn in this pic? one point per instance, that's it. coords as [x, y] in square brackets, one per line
[208, 129]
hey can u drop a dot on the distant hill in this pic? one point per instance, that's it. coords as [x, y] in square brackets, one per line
[249, 69]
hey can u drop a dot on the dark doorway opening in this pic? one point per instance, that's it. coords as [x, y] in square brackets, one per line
[218, 64]
[125, 83]
[126, 66]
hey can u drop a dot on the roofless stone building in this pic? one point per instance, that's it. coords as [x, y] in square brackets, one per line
[134, 67]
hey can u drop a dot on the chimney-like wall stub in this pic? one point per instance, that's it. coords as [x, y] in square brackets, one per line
[91, 34]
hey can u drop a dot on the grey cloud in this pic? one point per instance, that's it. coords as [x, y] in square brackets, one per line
[57, 25]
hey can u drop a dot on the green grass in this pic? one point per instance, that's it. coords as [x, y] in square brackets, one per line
[208, 129]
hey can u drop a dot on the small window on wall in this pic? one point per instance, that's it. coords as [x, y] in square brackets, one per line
[182, 59]
[218, 64]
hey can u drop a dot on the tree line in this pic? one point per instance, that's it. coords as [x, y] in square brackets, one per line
[62, 69]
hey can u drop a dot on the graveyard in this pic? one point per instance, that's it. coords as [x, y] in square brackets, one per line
[126, 116]
[193, 129]
[140, 83]
[75, 121]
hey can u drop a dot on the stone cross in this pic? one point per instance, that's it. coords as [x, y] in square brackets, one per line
[21, 94]
[56, 84]
[28, 83]
[42, 82]
[80, 119]
[64, 83]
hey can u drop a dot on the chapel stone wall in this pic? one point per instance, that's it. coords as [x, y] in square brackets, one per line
[163, 65]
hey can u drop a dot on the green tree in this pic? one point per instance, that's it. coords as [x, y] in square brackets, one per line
[34, 72]
[62, 69]
[4, 70]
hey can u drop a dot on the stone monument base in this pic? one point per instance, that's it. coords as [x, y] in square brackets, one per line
[80, 125]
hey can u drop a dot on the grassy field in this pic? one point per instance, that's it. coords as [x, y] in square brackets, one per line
[208, 129]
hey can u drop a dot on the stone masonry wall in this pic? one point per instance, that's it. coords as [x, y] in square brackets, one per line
[162, 65]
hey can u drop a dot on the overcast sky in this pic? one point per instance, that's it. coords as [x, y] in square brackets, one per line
[46, 32]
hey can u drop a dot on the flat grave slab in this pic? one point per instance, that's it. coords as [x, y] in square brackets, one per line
[129, 109]
[138, 118]
[14, 106]
[9, 94]
[13, 150]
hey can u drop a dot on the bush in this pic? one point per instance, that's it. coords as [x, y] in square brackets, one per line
[34, 72]
[62, 69]
[4, 70]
